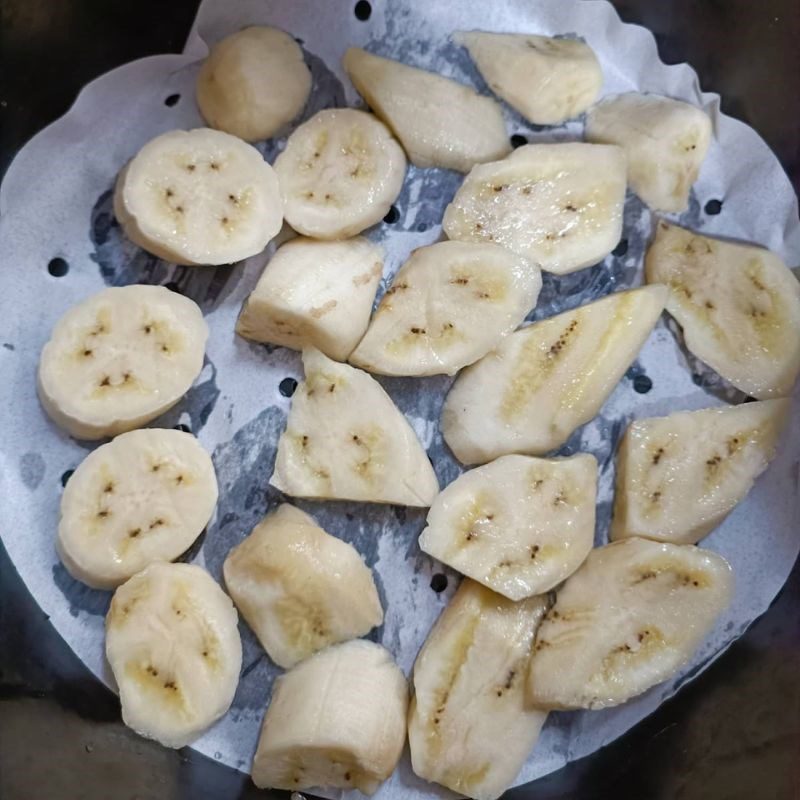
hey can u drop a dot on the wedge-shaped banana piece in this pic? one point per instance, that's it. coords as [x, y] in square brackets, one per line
[119, 359]
[738, 305]
[665, 140]
[547, 80]
[317, 294]
[173, 644]
[629, 618]
[199, 197]
[546, 380]
[469, 728]
[559, 205]
[448, 306]
[439, 122]
[346, 440]
[340, 173]
[336, 720]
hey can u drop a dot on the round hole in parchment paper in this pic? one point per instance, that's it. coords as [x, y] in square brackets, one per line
[172, 100]
[363, 10]
[58, 267]
[517, 140]
[439, 582]
[392, 215]
[713, 207]
[642, 384]
[287, 387]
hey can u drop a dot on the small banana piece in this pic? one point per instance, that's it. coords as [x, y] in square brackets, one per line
[738, 305]
[439, 122]
[173, 645]
[665, 140]
[346, 440]
[119, 359]
[469, 728]
[448, 305]
[338, 720]
[546, 380]
[559, 205]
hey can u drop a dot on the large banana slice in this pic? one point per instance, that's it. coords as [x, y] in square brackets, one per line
[346, 440]
[738, 305]
[121, 358]
[340, 173]
[174, 648]
[199, 197]
[665, 140]
[317, 294]
[449, 304]
[469, 728]
[560, 205]
[547, 80]
[439, 122]
[519, 525]
[544, 381]
[629, 618]
[337, 720]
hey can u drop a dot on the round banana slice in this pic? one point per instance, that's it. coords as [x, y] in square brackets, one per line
[121, 358]
[340, 173]
[142, 498]
[199, 197]
[253, 83]
[173, 645]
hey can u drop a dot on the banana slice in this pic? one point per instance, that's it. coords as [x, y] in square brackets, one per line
[448, 305]
[629, 618]
[338, 719]
[546, 380]
[439, 122]
[174, 648]
[738, 305]
[468, 727]
[253, 83]
[119, 359]
[559, 205]
[316, 294]
[519, 525]
[547, 80]
[199, 197]
[665, 140]
[346, 440]
[679, 476]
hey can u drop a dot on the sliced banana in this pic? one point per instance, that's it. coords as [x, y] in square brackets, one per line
[448, 305]
[559, 205]
[547, 80]
[173, 645]
[546, 380]
[338, 719]
[738, 305]
[119, 359]
[439, 122]
[469, 728]
[518, 525]
[199, 197]
[629, 618]
[665, 140]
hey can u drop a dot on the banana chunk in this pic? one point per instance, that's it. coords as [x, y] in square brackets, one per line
[629, 618]
[469, 728]
[316, 294]
[119, 359]
[738, 305]
[518, 525]
[339, 174]
[559, 205]
[448, 306]
[253, 83]
[547, 80]
[199, 197]
[439, 122]
[665, 140]
[346, 440]
[174, 648]
[546, 380]
[338, 719]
